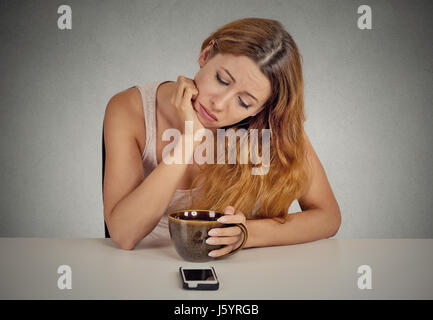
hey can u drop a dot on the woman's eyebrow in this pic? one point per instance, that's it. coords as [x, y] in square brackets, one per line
[235, 81]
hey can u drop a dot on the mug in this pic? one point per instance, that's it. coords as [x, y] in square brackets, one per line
[189, 231]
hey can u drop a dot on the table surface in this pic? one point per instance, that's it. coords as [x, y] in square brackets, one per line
[324, 269]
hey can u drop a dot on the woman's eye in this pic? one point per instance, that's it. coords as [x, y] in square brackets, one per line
[243, 104]
[220, 81]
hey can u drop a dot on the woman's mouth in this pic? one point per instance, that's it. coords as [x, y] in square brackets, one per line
[205, 114]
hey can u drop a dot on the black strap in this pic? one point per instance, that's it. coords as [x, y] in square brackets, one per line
[107, 234]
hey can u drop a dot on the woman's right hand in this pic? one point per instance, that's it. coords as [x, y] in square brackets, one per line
[183, 98]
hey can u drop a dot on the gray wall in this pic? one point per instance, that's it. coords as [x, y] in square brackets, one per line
[368, 102]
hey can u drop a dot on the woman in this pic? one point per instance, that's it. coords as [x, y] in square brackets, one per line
[250, 77]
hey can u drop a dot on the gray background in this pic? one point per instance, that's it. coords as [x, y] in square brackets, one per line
[367, 92]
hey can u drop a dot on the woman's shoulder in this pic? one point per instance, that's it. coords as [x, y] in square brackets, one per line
[127, 101]
[125, 108]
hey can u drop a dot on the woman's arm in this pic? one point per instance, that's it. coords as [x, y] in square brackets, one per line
[320, 217]
[132, 205]
[300, 227]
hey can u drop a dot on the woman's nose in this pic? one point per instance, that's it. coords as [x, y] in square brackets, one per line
[219, 101]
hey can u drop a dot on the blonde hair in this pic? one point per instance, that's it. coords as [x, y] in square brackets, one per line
[267, 43]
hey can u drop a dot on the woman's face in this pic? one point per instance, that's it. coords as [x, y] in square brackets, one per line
[231, 87]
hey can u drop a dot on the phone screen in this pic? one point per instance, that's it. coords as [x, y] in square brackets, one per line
[198, 274]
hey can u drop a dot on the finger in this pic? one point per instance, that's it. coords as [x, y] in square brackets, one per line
[225, 232]
[229, 210]
[237, 218]
[187, 96]
[222, 240]
[220, 252]
[182, 84]
[179, 91]
[238, 244]
[240, 216]
[195, 95]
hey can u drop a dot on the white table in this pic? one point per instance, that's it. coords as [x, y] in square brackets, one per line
[325, 269]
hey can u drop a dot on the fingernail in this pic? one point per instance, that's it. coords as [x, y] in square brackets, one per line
[212, 233]
[212, 254]
[210, 241]
[222, 219]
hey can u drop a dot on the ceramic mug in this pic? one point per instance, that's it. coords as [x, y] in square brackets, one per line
[189, 231]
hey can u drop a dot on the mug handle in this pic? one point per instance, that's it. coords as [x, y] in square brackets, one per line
[245, 232]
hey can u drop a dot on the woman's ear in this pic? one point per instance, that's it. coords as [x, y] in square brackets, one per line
[204, 54]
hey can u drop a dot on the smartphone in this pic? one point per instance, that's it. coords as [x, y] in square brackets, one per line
[199, 278]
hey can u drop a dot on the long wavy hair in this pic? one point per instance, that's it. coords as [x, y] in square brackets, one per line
[268, 195]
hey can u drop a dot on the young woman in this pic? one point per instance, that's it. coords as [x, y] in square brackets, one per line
[250, 77]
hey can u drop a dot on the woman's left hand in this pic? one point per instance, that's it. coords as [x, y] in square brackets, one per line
[232, 237]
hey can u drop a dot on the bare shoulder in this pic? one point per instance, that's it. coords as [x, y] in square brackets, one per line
[124, 109]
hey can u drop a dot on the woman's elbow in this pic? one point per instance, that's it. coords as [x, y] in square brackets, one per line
[336, 218]
[121, 239]
[122, 242]
[124, 245]
[127, 246]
